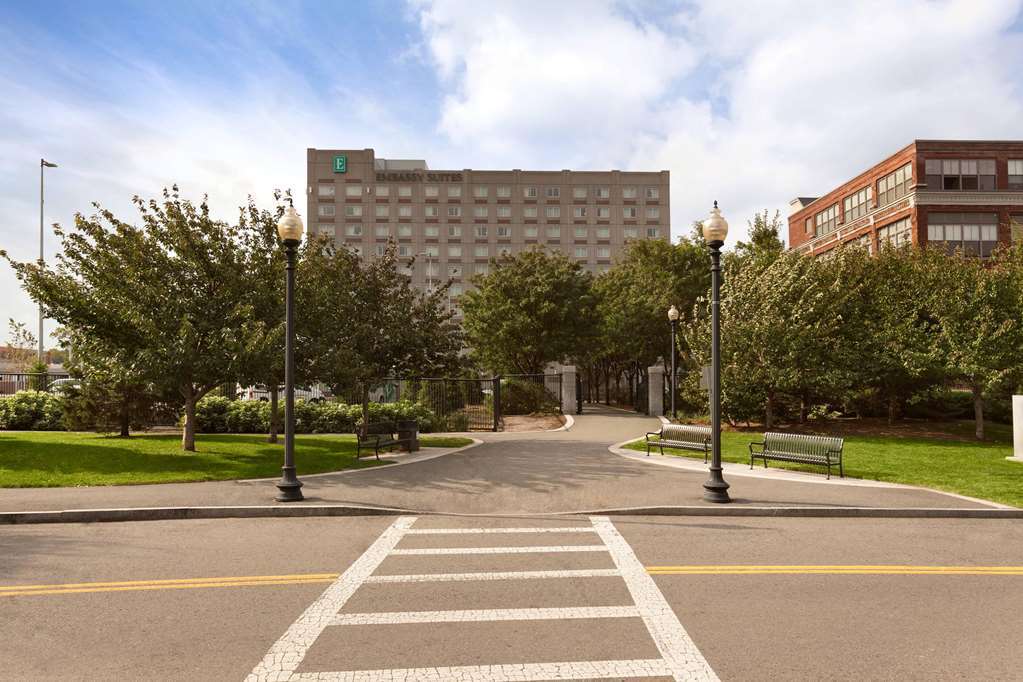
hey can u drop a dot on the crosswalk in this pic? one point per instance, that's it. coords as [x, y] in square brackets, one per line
[328, 632]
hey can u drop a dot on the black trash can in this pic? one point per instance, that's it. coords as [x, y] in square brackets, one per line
[408, 431]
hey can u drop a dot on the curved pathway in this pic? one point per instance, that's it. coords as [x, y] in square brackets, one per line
[525, 472]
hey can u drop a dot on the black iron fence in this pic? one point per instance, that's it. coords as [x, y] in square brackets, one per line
[12, 382]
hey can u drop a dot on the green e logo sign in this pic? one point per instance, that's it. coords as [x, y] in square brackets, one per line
[340, 163]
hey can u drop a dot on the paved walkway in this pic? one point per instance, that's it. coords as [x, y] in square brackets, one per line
[560, 471]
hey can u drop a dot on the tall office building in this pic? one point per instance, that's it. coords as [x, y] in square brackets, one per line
[453, 222]
[962, 195]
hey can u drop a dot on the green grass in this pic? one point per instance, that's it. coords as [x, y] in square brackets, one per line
[40, 459]
[968, 468]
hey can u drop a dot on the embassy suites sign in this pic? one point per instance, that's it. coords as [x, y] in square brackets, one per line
[418, 177]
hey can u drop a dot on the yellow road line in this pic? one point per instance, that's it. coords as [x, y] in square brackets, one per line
[173, 584]
[835, 570]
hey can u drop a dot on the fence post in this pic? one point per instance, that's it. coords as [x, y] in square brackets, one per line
[569, 403]
[1017, 429]
[655, 390]
[497, 403]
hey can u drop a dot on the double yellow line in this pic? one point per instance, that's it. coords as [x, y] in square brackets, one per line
[179, 584]
[834, 570]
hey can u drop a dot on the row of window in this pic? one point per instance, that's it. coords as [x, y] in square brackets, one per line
[482, 231]
[326, 190]
[454, 269]
[405, 211]
[960, 174]
[972, 233]
[890, 188]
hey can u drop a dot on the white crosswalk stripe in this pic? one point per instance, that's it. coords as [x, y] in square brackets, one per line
[495, 575]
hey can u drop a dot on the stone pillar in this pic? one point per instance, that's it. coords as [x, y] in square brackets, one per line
[656, 387]
[568, 397]
[1017, 429]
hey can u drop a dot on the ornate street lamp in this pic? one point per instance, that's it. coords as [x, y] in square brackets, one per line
[289, 229]
[43, 163]
[715, 229]
[673, 318]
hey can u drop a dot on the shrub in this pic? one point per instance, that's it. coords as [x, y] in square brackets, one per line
[526, 397]
[216, 414]
[32, 411]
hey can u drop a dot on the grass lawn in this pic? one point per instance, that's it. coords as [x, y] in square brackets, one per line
[943, 463]
[39, 459]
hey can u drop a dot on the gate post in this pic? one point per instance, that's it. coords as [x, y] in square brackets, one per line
[655, 391]
[568, 388]
[497, 403]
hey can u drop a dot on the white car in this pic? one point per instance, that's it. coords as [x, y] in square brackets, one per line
[313, 394]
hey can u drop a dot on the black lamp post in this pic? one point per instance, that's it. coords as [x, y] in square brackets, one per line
[289, 228]
[715, 229]
[673, 318]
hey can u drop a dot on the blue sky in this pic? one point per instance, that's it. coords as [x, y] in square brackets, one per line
[750, 103]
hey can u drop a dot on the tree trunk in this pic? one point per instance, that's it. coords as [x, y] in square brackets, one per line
[125, 415]
[893, 405]
[769, 413]
[188, 434]
[274, 417]
[978, 412]
[607, 387]
[802, 409]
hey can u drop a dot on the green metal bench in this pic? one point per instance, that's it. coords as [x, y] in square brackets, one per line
[682, 436]
[379, 435]
[824, 451]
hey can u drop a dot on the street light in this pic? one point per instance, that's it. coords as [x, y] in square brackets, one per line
[715, 229]
[289, 229]
[43, 163]
[673, 318]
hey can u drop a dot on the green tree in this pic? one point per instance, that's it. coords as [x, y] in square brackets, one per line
[169, 296]
[764, 237]
[531, 309]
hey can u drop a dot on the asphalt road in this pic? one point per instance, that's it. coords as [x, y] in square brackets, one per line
[619, 597]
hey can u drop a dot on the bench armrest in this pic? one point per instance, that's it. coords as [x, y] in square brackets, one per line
[653, 433]
[756, 442]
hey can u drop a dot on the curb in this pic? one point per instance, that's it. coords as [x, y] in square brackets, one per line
[305, 511]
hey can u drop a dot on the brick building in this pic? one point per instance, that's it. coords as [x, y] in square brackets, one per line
[962, 194]
[453, 222]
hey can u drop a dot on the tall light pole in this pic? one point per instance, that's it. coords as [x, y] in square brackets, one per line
[43, 163]
[715, 229]
[673, 318]
[289, 229]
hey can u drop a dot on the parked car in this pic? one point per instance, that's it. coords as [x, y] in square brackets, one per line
[314, 394]
[62, 385]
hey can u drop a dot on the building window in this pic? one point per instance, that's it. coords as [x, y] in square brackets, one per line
[653, 213]
[383, 230]
[808, 227]
[328, 210]
[602, 192]
[629, 212]
[326, 230]
[455, 290]
[895, 185]
[1015, 173]
[504, 232]
[353, 230]
[580, 233]
[896, 234]
[430, 231]
[455, 231]
[431, 191]
[328, 190]
[404, 190]
[529, 211]
[652, 232]
[454, 211]
[381, 249]
[530, 192]
[404, 230]
[603, 252]
[454, 191]
[531, 232]
[480, 191]
[479, 211]
[353, 211]
[554, 233]
[553, 193]
[404, 211]
[865, 242]
[975, 234]
[578, 192]
[581, 252]
[552, 211]
[628, 192]
[356, 249]
[431, 211]
[482, 268]
[579, 211]
[603, 212]
[653, 192]
[960, 174]
[827, 220]
[603, 233]
[631, 233]
[353, 190]
[383, 190]
[481, 231]
[455, 270]
[504, 211]
[431, 252]
[857, 205]
[454, 251]
[482, 252]
[404, 251]
[383, 210]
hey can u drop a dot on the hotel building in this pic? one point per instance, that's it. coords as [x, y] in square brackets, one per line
[453, 222]
[965, 195]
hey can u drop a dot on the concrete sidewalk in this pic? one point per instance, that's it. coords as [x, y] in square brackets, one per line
[551, 472]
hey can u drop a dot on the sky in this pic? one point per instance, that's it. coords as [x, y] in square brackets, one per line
[747, 103]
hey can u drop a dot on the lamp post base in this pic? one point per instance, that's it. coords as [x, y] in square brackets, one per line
[716, 490]
[289, 486]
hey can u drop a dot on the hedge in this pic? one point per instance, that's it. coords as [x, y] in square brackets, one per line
[32, 411]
